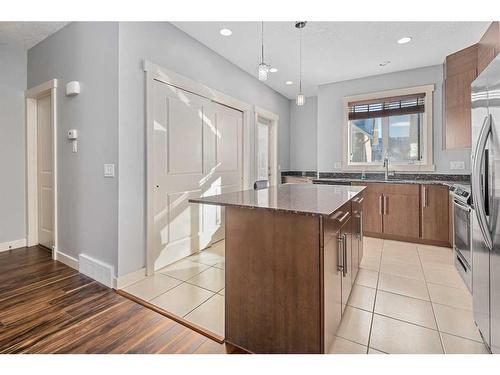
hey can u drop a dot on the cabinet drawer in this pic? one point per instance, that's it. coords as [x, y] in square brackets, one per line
[389, 188]
[297, 180]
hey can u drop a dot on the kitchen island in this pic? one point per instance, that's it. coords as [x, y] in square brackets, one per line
[292, 253]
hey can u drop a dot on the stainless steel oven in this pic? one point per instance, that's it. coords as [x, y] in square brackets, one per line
[462, 232]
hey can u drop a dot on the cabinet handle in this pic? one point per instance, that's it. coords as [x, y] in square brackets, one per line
[340, 254]
[341, 220]
[361, 225]
[360, 200]
[386, 200]
[424, 196]
[380, 205]
[344, 268]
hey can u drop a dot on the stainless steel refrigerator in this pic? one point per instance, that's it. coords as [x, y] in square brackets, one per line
[485, 181]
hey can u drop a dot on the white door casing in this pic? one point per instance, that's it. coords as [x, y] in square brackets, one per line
[41, 166]
[197, 151]
[266, 125]
[45, 173]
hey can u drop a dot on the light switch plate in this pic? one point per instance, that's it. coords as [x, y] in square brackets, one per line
[457, 165]
[109, 170]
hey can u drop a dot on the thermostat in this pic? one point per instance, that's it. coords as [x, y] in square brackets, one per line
[73, 137]
[72, 134]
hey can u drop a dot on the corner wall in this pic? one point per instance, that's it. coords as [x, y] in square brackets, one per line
[303, 135]
[88, 202]
[12, 143]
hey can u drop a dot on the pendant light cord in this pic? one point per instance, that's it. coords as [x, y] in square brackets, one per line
[262, 41]
[300, 60]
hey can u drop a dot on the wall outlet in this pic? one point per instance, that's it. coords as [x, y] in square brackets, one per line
[457, 165]
[338, 165]
[109, 170]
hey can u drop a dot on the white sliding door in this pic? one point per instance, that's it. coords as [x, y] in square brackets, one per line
[197, 148]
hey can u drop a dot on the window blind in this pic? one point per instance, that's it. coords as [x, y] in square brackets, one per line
[383, 107]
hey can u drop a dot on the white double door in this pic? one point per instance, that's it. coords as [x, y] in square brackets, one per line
[197, 147]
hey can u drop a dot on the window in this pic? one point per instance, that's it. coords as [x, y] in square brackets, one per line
[396, 124]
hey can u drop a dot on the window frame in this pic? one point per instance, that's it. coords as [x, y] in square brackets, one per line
[427, 162]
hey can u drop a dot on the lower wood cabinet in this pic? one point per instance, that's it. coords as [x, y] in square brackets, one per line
[435, 213]
[372, 209]
[357, 234]
[345, 236]
[400, 212]
[341, 258]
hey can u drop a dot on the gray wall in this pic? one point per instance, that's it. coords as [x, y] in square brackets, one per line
[330, 114]
[303, 135]
[169, 47]
[88, 202]
[12, 143]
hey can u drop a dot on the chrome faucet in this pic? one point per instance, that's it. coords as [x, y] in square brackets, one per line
[386, 166]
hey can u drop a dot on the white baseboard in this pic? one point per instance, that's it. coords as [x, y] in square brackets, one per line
[11, 245]
[97, 270]
[67, 260]
[130, 278]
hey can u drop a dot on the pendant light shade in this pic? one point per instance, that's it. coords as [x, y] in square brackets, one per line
[301, 98]
[263, 71]
[263, 68]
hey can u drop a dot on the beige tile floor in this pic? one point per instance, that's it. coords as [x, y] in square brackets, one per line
[192, 288]
[407, 298]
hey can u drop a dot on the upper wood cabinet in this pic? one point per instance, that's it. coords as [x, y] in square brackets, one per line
[460, 71]
[488, 46]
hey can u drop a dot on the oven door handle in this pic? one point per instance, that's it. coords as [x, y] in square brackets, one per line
[461, 206]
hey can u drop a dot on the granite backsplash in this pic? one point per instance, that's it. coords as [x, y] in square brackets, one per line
[380, 176]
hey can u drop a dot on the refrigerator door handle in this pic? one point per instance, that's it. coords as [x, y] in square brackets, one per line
[477, 190]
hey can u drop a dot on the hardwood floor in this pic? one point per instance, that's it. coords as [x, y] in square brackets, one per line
[47, 307]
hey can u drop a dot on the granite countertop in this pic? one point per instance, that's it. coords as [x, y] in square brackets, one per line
[306, 199]
[332, 181]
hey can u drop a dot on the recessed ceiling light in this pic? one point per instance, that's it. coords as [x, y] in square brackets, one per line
[406, 39]
[225, 32]
[384, 63]
[273, 70]
[288, 83]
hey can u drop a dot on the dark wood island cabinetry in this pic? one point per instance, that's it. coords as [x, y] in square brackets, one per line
[290, 254]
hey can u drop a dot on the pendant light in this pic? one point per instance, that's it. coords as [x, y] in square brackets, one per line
[263, 68]
[301, 98]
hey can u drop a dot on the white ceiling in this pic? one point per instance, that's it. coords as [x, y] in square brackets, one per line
[334, 51]
[27, 34]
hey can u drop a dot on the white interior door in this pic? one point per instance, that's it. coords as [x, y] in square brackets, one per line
[263, 141]
[45, 172]
[197, 151]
